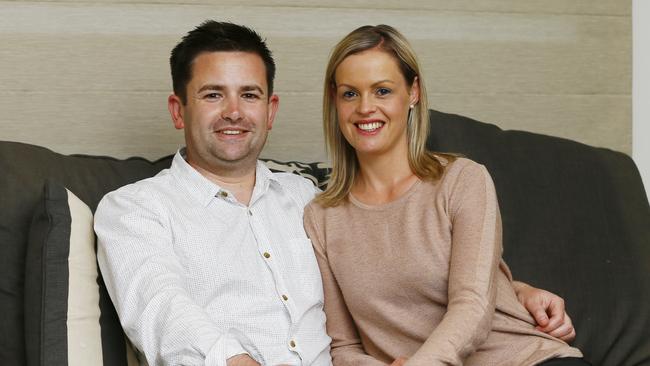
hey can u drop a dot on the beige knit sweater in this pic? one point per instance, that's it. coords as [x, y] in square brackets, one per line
[422, 277]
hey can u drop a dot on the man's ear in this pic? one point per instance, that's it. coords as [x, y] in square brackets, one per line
[175, 106]
[274, 103]
[414, 94]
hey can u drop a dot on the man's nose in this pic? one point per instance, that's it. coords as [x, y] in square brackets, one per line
[231, 110]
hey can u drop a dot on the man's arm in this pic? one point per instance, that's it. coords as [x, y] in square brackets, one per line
[148, 286]
[547, 309]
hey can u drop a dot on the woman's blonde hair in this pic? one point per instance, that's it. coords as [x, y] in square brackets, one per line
[345, 165]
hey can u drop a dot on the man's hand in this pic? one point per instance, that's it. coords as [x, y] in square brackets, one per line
[241, 360]
[399, 361]
[548, 310]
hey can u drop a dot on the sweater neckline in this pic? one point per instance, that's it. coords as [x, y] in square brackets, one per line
[383, 206]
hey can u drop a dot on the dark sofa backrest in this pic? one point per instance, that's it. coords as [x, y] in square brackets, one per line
[576, 222]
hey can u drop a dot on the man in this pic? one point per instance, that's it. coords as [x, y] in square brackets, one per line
[208, 262]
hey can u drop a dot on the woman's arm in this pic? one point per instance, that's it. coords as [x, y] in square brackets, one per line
[346, 348]
[548, 310]
[475, 256]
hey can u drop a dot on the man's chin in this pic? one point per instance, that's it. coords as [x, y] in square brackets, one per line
[236, 158]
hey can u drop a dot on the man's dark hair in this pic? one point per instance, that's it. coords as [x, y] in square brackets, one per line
[213, 36]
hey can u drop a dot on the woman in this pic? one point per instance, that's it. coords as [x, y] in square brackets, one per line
[408, 241]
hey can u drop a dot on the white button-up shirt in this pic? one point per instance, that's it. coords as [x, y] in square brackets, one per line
[197, 277]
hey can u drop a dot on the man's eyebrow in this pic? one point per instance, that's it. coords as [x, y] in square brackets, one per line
[211, 87]
[245, 88]
[253, 87]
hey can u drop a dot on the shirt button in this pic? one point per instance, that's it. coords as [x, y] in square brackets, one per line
[266, 255]
[250, 213]
[292, 344]
[285, 298]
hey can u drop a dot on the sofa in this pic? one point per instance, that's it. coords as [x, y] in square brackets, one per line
[576, 221]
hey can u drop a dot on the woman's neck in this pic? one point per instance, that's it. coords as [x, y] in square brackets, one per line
[383, 178]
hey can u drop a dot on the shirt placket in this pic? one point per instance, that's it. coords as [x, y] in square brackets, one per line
[263, 241]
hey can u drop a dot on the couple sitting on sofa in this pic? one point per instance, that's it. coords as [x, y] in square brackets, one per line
[209, 262]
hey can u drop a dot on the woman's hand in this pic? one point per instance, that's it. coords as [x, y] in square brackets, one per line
[241, 360]
[399, 361]
[548, 310]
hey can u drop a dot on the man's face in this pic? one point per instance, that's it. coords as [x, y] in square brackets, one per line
[228, 112]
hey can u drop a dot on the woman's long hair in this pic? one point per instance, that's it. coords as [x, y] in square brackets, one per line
[345, 165]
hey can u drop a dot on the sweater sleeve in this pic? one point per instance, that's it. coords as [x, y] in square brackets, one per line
[475, 255]
[346, 348]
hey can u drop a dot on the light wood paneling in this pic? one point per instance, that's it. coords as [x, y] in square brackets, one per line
[93, 76]
[599, 120]
[118, 124]
[100, 62]
[582, 7]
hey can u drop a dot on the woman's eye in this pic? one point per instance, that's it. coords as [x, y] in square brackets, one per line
[383, 91]
[348, 94]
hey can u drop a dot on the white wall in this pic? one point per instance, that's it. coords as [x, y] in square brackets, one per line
[641, 88]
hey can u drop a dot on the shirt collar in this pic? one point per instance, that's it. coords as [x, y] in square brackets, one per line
[204, 190]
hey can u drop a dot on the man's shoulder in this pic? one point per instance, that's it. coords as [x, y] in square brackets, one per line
[294, 184]
[291, 179]
[145, 189]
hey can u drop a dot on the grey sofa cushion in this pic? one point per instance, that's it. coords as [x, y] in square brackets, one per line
[63, 299]
[577, 222]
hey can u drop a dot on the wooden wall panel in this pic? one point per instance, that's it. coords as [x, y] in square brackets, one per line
[572, 117]
[97, 70]
[583, 7]
[92, 122]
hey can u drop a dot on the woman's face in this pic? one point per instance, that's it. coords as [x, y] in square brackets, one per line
[372, 102]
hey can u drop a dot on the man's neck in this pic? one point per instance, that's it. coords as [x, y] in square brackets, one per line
[239, 182]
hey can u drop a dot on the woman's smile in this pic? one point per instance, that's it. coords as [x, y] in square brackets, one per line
[369, 127]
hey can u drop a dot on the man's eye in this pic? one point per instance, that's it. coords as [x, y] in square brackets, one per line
[212, 96]
[383, 91]
[250, 96]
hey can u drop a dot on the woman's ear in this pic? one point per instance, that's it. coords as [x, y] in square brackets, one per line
[414, 93]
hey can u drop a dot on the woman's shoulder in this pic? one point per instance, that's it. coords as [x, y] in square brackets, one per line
[314, 207]
[462, 168]
[317, 208]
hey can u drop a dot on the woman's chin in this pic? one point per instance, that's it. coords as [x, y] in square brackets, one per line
[369, 150]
